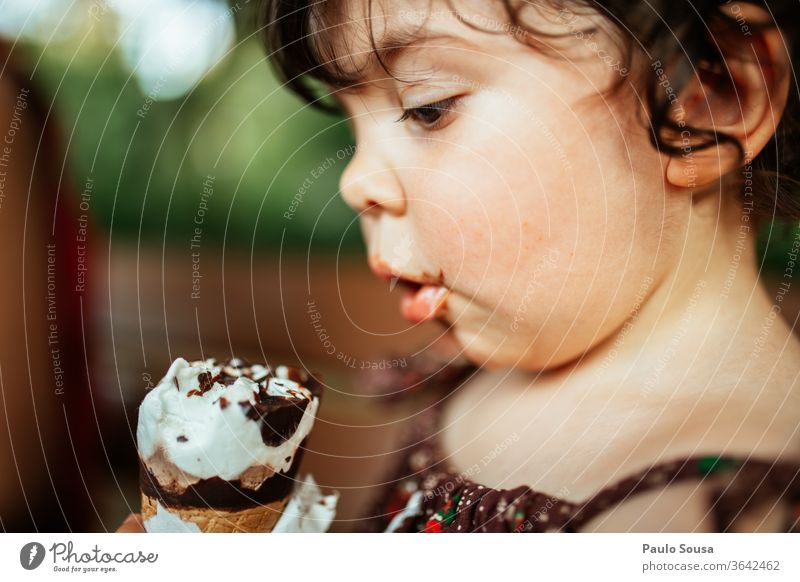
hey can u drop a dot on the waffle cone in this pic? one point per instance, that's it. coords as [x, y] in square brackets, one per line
[255, 519]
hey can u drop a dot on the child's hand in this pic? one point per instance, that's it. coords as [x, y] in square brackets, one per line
[132, 524]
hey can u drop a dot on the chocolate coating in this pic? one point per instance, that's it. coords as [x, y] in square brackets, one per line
[221, 494]
[279, 416]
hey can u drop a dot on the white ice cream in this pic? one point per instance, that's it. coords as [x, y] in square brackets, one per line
[184, 438]
[308, 511]
[164, 521]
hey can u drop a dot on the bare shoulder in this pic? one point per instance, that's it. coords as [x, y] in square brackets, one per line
[681, 507]
[684, 508]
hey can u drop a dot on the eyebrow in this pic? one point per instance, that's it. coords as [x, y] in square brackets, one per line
[395, 42]
[391, 47]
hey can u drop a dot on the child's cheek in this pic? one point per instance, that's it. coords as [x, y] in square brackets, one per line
[456, 235]
[484, 219]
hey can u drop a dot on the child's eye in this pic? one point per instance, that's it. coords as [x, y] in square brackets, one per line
[432, 115]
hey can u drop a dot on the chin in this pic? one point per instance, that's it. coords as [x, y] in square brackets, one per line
[497, 351]
[481, 351]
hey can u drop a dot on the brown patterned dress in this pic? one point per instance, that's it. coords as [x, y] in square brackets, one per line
[426, 494]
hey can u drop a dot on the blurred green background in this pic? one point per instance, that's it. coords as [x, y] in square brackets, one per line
[149, 153]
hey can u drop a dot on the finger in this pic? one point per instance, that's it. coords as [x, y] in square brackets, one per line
[132, 524]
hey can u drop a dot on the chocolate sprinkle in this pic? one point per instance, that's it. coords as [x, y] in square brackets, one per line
[205, 382]
[279, 416]
[182, 439]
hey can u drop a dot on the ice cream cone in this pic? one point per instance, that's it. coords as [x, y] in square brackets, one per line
[254, 519]
[220, 445]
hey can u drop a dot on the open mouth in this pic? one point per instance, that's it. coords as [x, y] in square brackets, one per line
[422, 302]
[424, 297]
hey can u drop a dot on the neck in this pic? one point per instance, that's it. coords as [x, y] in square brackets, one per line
[701, 323]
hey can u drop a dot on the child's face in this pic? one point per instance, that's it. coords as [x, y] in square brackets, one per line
[539, 206]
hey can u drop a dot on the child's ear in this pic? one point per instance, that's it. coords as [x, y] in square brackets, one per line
[744, 100]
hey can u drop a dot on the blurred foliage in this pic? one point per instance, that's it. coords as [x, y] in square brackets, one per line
[777, 245]
[148, 165]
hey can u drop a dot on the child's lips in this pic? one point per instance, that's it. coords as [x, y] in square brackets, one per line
[424, 298]
[424, 302]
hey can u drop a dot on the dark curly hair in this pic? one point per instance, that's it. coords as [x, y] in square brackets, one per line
[677, 32]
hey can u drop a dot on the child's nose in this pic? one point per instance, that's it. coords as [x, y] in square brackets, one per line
[369, 183]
